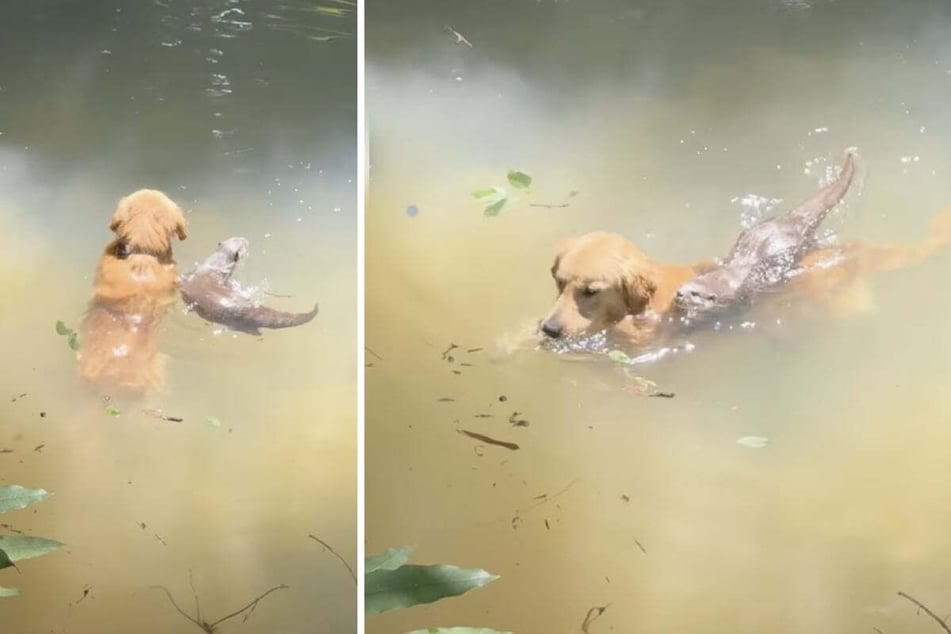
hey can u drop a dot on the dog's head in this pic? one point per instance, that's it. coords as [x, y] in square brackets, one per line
[145, 221]
[601, 279]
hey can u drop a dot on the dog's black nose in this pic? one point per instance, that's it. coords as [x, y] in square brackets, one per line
[551, 329]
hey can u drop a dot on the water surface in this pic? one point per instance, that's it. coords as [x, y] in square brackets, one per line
[663, 117]
[248, 122]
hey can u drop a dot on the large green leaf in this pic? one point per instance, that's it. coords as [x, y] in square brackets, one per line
[390, 560]
[16, 497]
[8, 592]
[19, 547]
[412, 585]
[458, 630]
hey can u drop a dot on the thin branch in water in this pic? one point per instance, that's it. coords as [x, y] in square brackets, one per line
[204, 626]
[191, 583]
[335, 554]
[460, 38]
[251, 606]
[171, 600]
[549, 206]
[941, 622]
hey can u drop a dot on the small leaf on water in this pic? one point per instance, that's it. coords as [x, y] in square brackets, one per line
[73, 341]
[212, 421]
[16, 497]
[458, 630]
[61, 329]
[8, 592]
[412, 585]
[392, 559]
[112, 410]
[519, 179]
[618, 356]
[19, 547]
[496, 207]
[484, 193]
[753, 442]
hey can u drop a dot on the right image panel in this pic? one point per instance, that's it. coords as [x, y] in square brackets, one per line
[657, 316]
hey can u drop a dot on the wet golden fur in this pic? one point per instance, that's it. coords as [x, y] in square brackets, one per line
[136, 283]
[605, 282]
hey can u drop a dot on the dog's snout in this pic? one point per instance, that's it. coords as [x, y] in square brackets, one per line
[552, 329]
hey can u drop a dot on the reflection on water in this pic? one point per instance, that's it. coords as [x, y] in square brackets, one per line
[246, 118]
[669, 120]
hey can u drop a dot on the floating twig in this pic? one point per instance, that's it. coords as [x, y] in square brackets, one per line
[592, 615]
[211, 627]
[944, 625]
[489, 440]
[335, 554]
[460, 38]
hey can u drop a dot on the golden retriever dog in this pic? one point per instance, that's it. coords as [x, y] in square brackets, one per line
[136, 283]
[605, 283]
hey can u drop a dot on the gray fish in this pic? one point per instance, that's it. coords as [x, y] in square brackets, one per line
[210, 291]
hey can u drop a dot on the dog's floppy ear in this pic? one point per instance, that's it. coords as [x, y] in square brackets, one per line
[638, 291]
[121, 214]
[563, 248]
[178, 222]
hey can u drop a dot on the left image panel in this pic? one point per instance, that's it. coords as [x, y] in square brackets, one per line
[178, 316]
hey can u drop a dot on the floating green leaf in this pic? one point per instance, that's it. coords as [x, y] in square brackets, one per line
[496, 207]
[618, 356]
[753, 442]
[16, 497]
[112, 410]
[8, 592]
[392, 559]
[412, 585]
[519, 179]
[19, 547]
[212, 421]
[487, 193]
[458, 630]
[72, 338]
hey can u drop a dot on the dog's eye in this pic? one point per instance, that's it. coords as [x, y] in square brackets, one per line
[589, 292]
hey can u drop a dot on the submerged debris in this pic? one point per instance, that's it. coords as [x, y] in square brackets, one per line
[489, 440]
[593, 615]
[515, 421]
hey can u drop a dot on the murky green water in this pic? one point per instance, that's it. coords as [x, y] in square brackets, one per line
[660, 115]
[249, 123]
